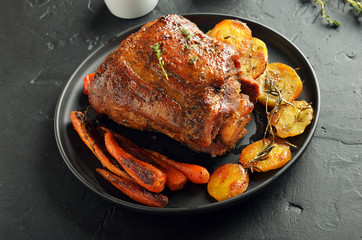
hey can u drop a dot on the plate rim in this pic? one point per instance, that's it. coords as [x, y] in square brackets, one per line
[204, 208]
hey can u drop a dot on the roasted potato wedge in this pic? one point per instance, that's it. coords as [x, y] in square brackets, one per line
[228, 181]
[265, 155]
[279, 79]
[233, 32]
[290, 121]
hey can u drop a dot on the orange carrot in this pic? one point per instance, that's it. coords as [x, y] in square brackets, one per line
[143, 173]
[175, 180]
[95, 143]
[87, 81]
[94, 139]
[135, 191]
[195, 173]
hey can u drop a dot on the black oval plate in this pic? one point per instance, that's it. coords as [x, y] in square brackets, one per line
[193, 198]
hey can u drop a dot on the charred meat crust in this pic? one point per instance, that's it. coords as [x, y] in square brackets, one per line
[200, 93]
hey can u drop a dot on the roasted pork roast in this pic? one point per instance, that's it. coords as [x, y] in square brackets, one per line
[172, 78]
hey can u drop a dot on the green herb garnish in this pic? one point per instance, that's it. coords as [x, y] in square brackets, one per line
[188, 37]
[262, 155]
[186, 33]
[191, 47]
[194, 59]
[161, 63]
[356, 5]
[333, 23]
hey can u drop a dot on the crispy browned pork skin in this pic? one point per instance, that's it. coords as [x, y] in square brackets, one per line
[194, 96]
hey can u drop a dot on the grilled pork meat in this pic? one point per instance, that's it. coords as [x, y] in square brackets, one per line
[172, 78]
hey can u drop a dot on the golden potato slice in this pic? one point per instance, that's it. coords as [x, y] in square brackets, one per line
[228, 181]
[252, 64]
[265, 155]
[279, 78]
[233, 32]
[258, 45]
[291, 121]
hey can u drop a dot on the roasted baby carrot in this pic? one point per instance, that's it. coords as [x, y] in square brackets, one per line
[135, 191]
[94, 139]
[95, 142]
[143, 173]
[175, 180]
[195, 173]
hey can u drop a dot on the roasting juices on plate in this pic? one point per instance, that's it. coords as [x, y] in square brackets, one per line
[199, 89]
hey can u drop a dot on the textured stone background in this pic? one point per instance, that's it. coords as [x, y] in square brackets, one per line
[43, 41]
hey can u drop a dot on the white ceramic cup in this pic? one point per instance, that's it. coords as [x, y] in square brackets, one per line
[130, 8]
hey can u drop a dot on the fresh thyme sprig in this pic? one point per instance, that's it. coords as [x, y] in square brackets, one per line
[188, 37]
[192, 46]
[161, 63]
[356, 5]
[186, 33]
[194, 59]
[333, 23]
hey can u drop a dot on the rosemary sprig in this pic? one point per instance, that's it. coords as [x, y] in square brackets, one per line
[273, 90]
[161, 63]
[266, 149]
[333, 23]
[301, 109]
[262, 155]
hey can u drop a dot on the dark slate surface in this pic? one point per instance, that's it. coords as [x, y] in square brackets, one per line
[42, 42]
